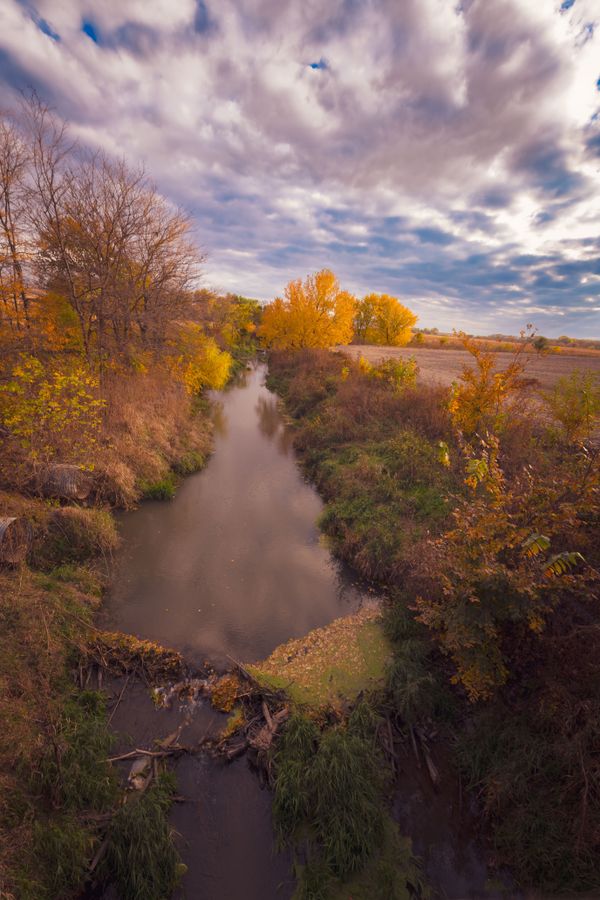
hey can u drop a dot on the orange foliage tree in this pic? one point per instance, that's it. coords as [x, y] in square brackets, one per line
[314, 313]
[509, 559]
[478, 399]
[518, 547]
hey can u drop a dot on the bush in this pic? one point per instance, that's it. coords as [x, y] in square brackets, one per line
[574, 402]
[399, 373]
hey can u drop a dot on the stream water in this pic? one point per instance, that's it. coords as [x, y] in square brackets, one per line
[231, 568]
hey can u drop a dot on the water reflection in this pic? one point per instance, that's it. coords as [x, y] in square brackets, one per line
[233, 566]
[271, 424]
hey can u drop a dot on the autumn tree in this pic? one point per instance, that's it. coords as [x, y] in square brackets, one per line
[14, 244]
[313, 313]
[196, 360]
[382, 319]
[479, 399]
[510, 558]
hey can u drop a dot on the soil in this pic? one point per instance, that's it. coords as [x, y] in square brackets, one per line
[445, 366]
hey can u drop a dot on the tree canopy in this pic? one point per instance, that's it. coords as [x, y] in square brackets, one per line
[313, 313]
[382, 319]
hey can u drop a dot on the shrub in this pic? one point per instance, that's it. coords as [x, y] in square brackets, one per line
[52, 413]
[399, 373]
[574, 402]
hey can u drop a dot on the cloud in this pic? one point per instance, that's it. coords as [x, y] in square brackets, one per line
[423, 148]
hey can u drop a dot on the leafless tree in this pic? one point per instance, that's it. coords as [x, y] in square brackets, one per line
[108, 242]
[14, 243]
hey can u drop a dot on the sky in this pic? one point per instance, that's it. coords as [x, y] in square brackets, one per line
[443, 151]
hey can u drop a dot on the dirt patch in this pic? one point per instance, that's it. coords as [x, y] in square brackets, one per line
[445, 366]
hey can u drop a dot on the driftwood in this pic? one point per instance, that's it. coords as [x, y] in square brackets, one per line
[424, 744]
[15, 538]
[263, 738]
[64, 482]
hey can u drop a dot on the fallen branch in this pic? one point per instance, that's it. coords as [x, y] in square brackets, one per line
[158, 754]
[120, 697]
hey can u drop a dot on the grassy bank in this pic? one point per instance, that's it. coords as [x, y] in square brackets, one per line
[61, 801]
[482, 524]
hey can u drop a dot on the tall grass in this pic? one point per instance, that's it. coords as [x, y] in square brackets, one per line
[141, 859]
[329, 785]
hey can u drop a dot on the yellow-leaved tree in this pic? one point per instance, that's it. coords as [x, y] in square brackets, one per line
[197, 361]
[314, 313]
[382, 319]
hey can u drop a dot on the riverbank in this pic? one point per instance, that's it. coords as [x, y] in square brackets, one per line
[61, 800]
[383, 453]
[232, 568]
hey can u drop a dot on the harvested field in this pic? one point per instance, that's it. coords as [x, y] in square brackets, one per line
[444, 366]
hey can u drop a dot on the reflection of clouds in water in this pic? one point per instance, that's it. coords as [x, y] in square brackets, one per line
[234, 564]
[271, 424]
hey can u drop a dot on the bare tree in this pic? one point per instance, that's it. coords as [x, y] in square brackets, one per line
[108, 242]
[14, 243]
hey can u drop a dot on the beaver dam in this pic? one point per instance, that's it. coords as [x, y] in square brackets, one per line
[230, 573]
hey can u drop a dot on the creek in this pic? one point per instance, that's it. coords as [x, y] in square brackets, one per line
[231, 568]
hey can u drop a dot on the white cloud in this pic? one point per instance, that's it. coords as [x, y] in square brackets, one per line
[422, 117]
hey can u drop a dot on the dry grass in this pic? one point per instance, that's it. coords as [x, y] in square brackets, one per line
[331, 665]
[150, 425]
[42, 620]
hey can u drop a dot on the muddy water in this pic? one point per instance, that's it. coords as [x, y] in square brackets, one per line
[232, 567]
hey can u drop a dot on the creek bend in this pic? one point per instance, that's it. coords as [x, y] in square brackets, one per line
[232, 567]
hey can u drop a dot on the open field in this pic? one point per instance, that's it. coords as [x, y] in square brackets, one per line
[566, 346]
[444, 366]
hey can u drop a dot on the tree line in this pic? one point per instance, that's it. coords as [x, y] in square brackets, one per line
[99, 283]
[317, 313]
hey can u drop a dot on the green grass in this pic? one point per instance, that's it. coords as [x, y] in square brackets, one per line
[329, 794]
[330, 666]
[141, 859]
[190, 462]
[72, 771]
[392, 874]
[163, 489]
[61, 850]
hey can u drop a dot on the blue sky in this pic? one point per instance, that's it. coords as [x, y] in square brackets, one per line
[446, 152]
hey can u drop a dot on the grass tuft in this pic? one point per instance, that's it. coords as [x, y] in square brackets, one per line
[141, 858]
[162, 489]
